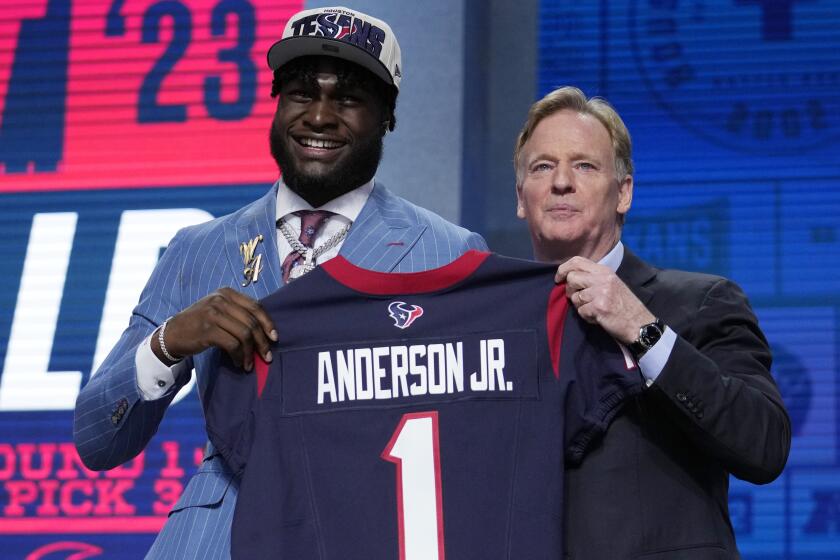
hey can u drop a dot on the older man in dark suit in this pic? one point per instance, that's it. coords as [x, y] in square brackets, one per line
[656, 487]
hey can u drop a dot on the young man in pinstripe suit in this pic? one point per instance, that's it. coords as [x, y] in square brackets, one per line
[326, 136]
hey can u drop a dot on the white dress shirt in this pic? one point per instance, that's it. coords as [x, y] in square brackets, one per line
[154, 378]
[653, 362]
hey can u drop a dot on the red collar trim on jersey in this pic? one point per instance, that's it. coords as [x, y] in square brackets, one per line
[390, 283]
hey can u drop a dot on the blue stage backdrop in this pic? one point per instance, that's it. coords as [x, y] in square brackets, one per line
[734, 110]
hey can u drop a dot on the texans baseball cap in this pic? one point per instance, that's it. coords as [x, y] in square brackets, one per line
[342, 33]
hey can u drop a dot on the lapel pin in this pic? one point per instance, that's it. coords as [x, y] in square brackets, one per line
[253, 263]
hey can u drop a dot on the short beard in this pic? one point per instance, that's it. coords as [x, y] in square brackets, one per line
[354, 172]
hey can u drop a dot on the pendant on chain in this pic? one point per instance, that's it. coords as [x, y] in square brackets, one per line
[297, 272]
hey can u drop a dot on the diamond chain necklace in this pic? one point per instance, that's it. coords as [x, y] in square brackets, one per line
[309, 254]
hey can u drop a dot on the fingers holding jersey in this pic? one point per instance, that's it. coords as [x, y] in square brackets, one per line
[601, 297]
[582, 300]
[224, 319]
[585, 280]
[578, 268]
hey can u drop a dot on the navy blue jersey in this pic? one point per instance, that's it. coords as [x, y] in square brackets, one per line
[416, 416]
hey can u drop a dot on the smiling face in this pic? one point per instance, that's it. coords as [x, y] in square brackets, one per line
[326, 135]
[567, 189]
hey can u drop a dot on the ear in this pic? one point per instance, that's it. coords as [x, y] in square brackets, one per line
[520, 207]
[625, 195]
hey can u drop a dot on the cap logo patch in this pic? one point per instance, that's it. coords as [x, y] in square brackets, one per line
[341, 27]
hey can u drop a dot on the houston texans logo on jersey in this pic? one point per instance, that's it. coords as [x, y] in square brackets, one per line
[404, 314]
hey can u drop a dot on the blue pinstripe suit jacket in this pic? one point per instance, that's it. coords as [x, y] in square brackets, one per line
[113, 423]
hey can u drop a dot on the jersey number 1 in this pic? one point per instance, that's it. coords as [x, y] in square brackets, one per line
[414, 449]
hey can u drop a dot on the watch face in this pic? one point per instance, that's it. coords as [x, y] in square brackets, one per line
[650, 335]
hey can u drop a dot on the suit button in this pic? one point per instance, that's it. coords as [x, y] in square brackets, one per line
[681, 397]
[699, 414]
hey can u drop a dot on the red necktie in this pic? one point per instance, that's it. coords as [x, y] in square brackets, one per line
[311, 222]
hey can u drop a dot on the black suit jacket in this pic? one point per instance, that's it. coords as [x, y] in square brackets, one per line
[656, 486]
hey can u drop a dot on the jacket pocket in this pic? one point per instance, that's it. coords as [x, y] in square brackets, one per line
[207, 488]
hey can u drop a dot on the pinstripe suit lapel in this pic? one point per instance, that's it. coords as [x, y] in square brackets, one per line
[383, 233]
[257, 219]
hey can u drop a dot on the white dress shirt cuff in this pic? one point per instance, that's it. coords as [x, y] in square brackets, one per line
[154, 378]
[653, 362]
